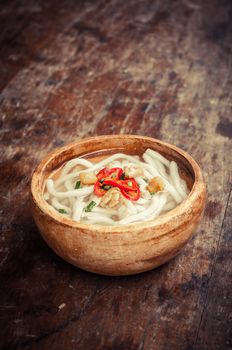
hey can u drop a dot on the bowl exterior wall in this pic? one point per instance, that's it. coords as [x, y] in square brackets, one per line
[120, 253]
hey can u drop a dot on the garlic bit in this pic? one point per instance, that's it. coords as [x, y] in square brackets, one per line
[156, 184]
[111, 198]
[88, 178]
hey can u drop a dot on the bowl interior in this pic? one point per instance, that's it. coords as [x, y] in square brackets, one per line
[93, 147]
[106, 145]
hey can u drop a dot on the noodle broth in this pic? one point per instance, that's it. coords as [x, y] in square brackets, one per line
[81, 202]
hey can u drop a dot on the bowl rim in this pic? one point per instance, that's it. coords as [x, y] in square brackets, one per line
[179, 210]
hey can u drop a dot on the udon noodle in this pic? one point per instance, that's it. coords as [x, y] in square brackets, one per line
[119, 190]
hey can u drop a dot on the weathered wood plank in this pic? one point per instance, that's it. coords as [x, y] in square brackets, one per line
[27, 29]
[215, 329]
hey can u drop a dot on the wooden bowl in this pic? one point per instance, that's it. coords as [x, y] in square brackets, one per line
[119, 250]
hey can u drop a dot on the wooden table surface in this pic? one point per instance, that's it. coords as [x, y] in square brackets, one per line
[71, 69]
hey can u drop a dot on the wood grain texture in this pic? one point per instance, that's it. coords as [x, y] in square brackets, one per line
[156, 68]
[217, 312]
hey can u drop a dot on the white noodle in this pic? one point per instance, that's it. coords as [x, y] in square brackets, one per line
[176, 179]
[143, 201]
[65, 201]
[155, 207]
[97, 219]
[173, 192]
[115, 164]
[161, 169]
[130, 206]
[169, 205]
[124, 163]
[95, 198]
[75, 193]
[78, 209]
[68, 185]
[103, 163]
[57, 205]
[149, 160]
[107, 211]
[146, 195]
[148, 175]
[158, 156]
[177, 197]
[141, 182]
[122, 212]
[62, 195]
[139, 207]
[77, 161]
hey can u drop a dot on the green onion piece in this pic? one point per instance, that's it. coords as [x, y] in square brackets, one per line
[129, 183]
[106, 187]
[62, 211]
[78, 185]
[146, 180]
[152, 193]
[90, 206]
[113, 175]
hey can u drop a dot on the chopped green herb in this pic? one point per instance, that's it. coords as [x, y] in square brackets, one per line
[122, 177]
[101, 181]
[146, 180]
[78, 185]
[152, 193]
[113, 175]
[62, 211]
[129, 183]
[90, 206]
[106, 187]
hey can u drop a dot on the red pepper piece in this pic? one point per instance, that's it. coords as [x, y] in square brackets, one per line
[98, 190]
[113, 173]
[103, 173]
[129, 187]
[130, 184]
[123, 184]
[131, 195]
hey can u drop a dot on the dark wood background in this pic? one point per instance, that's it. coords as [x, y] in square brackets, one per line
[70, 69]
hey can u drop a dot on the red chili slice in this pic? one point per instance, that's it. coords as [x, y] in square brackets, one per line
[131, 195]
[113, 173]
[129, 187]
[126, 185]
[102, 173]
[130, 184]
[98, 190]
